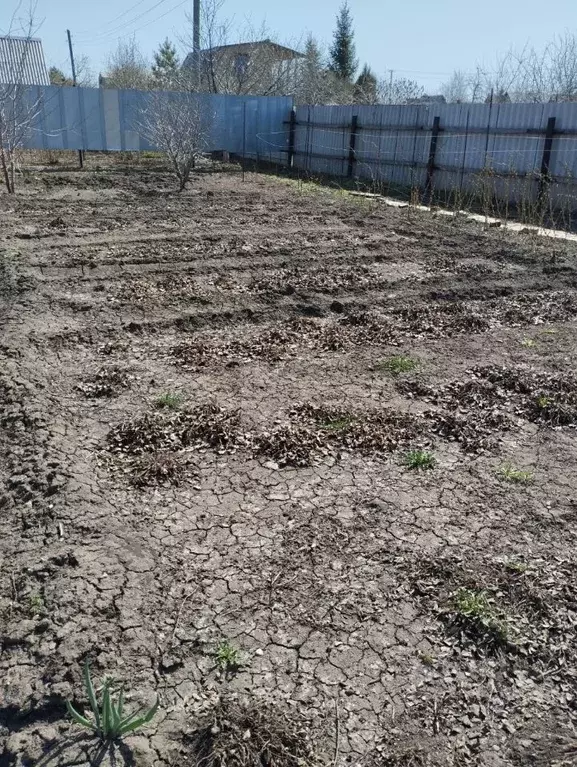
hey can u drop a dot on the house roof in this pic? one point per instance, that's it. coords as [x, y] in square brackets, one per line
[281, 51]
[22, 61]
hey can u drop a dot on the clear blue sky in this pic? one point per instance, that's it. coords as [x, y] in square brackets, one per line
[421, 39]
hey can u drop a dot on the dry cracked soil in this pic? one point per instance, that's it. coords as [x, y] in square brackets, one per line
[299, 463]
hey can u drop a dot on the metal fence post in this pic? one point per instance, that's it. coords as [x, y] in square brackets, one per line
[292, 136]
[431, 161]
[545, 177]
[352, 145]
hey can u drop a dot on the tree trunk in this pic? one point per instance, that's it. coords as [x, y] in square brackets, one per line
[12, 174]
[9, 188]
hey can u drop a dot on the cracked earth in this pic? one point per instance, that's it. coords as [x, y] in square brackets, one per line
[266, 504]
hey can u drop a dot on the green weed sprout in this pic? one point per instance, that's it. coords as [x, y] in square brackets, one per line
[397, 365]
[419, 459]
[109, 723]
[169, 401]
[227, 656]
[511, 474]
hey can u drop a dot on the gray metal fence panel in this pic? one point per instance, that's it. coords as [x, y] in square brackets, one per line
[490, 151]
[108, 120]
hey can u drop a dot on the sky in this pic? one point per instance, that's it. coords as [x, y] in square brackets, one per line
[421, 40]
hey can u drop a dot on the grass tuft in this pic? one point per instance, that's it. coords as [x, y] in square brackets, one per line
[419, 459]
[475, 614]
[397, 365]
[528, 343]
[168, 401]
[510, 474]
[338, 424]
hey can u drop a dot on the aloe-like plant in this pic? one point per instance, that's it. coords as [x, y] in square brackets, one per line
[110, 722]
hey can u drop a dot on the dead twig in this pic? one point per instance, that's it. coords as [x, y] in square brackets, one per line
[337, 732]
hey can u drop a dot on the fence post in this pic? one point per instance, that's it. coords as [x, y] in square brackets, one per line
[292, 135]
[352, 145]
[431, 161]
[545, 178]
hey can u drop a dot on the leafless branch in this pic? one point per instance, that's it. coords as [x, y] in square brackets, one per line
[178, 124]
[18, 108]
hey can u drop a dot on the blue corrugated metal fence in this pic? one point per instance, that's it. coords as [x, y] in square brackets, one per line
[106, 119]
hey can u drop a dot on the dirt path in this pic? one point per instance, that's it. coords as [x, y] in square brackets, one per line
[256, 542]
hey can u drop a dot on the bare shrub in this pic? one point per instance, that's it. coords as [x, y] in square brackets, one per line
[178, 123]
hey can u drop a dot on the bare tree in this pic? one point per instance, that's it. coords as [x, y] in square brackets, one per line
[457, 89]
[178, 124]
[84, 72]
[523, 75]
[127, 67]
[18, 108]
[84, 75]
[401, 90]
[365, 90]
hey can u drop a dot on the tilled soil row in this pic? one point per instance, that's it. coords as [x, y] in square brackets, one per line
[202, 502]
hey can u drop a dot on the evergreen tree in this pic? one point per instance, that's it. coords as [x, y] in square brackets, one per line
[166, 63]
[366, 87]
[312, 74]
[57, 77]
[342, 54]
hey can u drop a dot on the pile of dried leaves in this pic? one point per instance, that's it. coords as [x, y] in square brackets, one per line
[478, 407]
[525, 609]
[251, 733]
[335, 280]
[286, 340]
[107, 382]
[205, 426]
[533, 308]
[549, 398]
[161, 467]
[377, 431]
[319, 431]
[438, 320]
[151, 288]
[291, 445]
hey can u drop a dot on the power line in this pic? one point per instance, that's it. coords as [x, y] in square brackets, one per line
[112, 32]
[133, 31]
[107, 23]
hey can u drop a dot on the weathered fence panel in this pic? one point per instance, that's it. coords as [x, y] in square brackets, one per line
[498, 151]
[108, 120]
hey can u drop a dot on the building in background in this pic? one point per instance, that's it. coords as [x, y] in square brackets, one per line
[22, 61]
[261, 68]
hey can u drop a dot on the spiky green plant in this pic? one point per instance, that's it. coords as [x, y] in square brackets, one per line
[510, 474]
[397, 365]
[419, 459]
[110, 722]
[168, 400]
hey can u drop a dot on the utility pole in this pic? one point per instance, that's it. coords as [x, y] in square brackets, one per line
[391, 72]
[196, 40]
[72, 64]
[71, 58]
